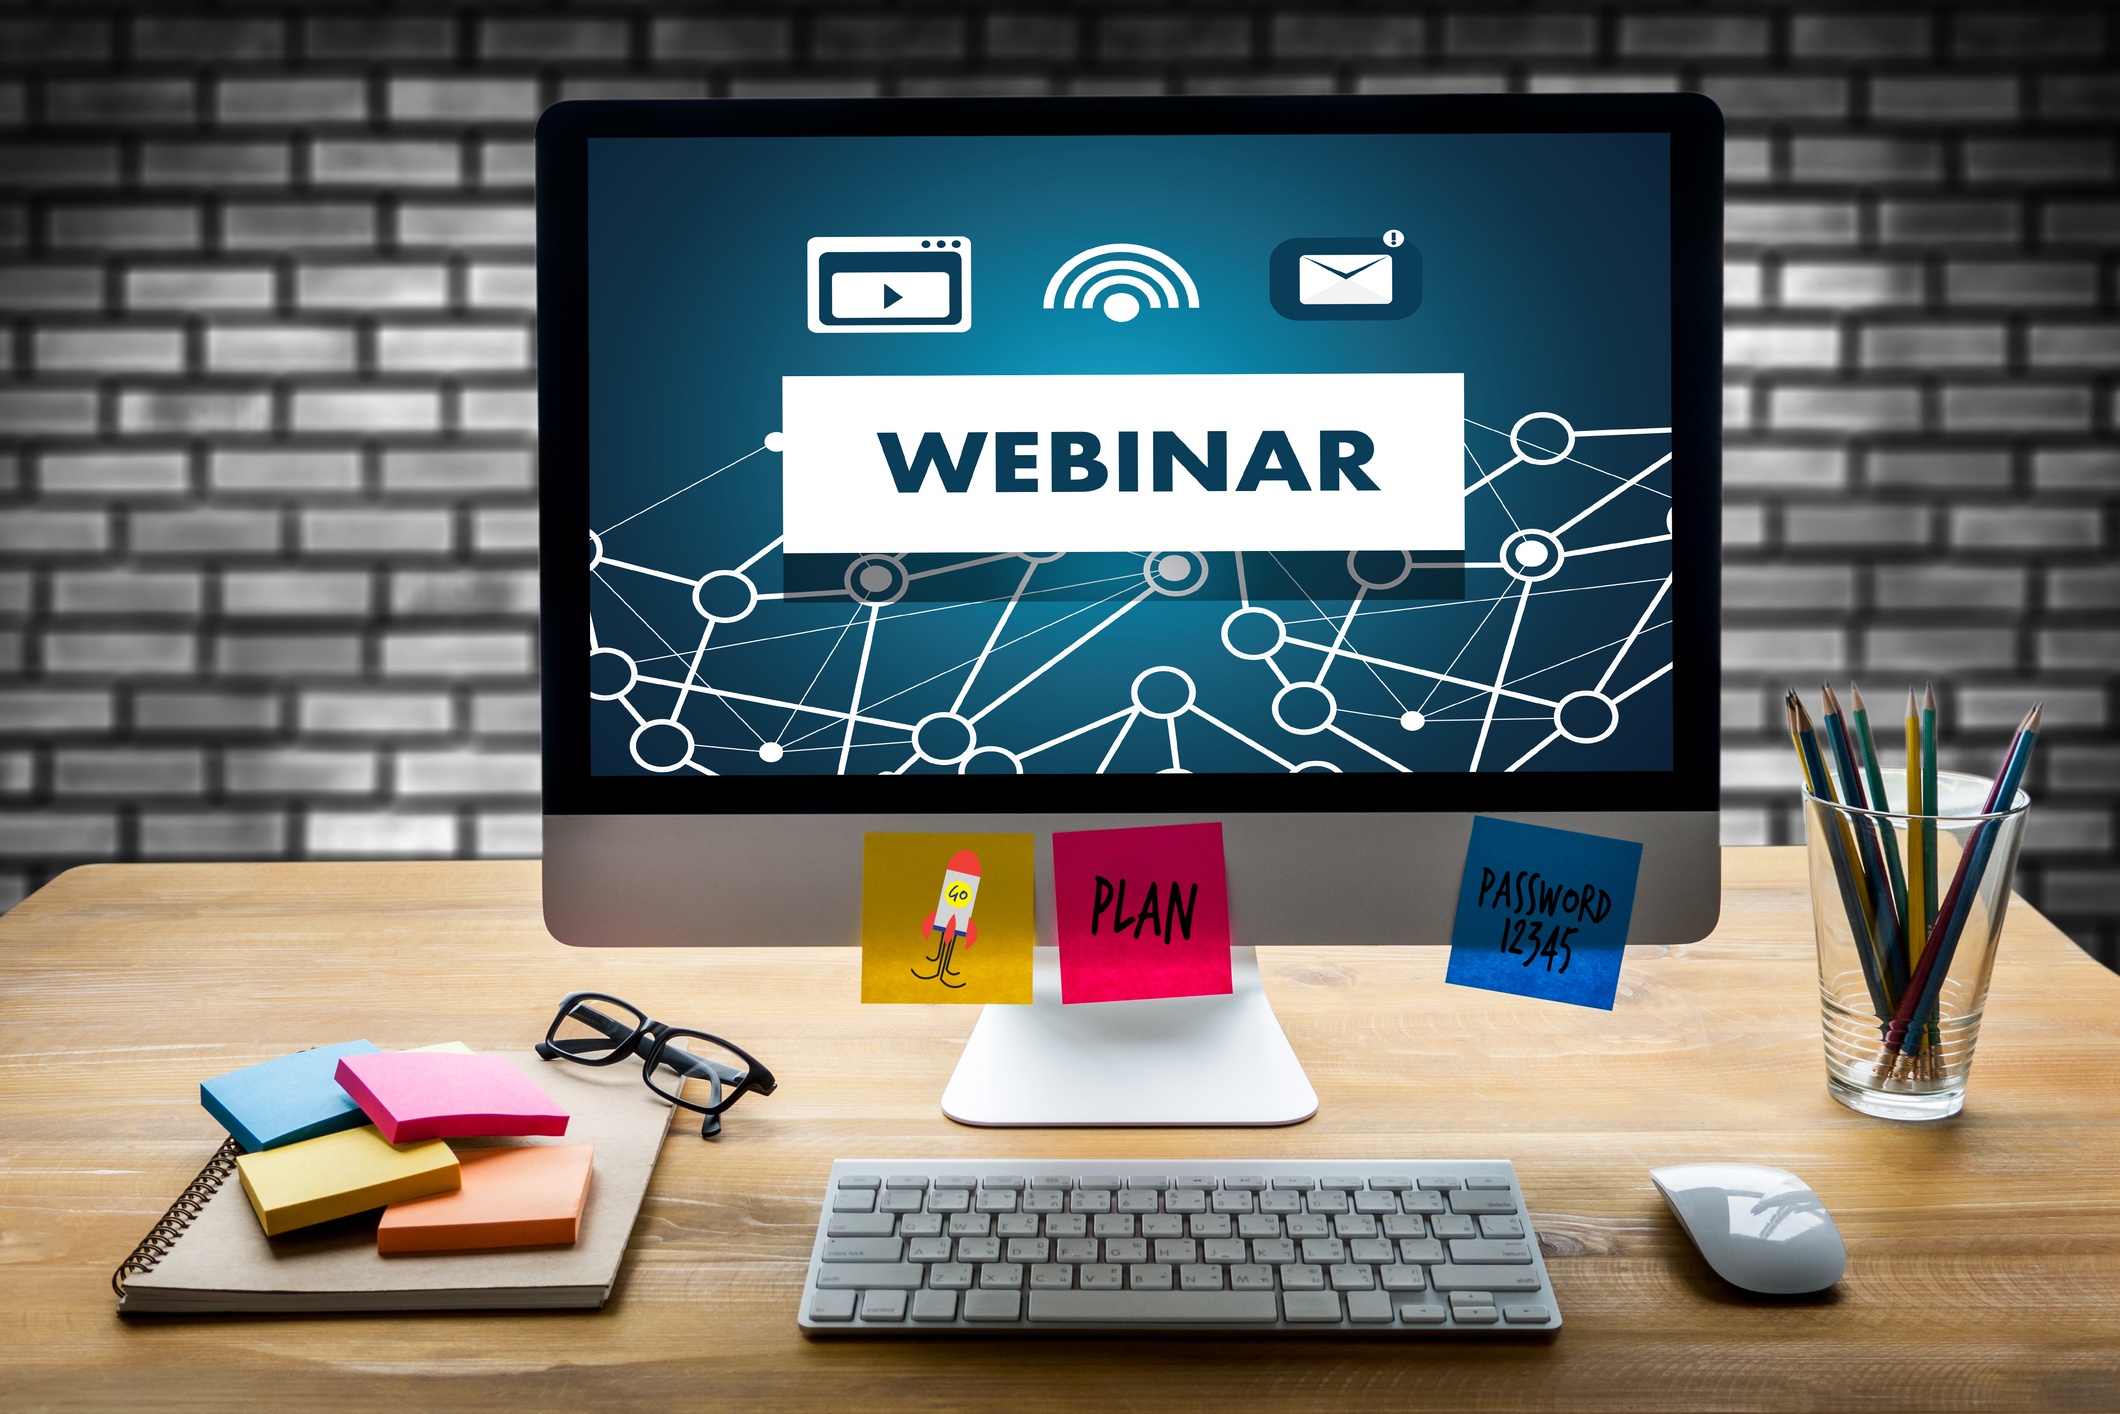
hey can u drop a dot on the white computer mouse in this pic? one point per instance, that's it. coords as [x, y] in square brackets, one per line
[1760, 1228]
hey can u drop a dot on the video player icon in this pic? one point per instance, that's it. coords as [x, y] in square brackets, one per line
[890, 284]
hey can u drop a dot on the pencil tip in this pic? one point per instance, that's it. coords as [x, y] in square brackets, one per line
[1855, 695]
[1912, 709]
[1928, 701]
[2033, 717]
[1825, 693]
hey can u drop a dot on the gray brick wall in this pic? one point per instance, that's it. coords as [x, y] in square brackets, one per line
[267, 511]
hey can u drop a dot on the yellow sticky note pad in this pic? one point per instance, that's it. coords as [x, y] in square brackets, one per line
[946, 918]
[337, 1175]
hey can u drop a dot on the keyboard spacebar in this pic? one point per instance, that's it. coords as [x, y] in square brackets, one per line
[1148, 1307]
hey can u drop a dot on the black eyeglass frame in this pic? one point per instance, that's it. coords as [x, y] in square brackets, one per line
[653, 1042]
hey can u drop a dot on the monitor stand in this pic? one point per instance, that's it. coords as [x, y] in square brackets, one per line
[1173, 1061]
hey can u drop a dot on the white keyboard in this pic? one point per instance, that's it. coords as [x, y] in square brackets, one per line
[907, 1246]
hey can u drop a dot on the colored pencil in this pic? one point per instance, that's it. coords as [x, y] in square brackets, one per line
[1918, 804]
[1840, 849]
[1878, 888]
[1931, 804]
[1886, 837]
[1926, 985]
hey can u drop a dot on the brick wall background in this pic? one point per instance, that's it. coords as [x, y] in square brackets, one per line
[267, 455]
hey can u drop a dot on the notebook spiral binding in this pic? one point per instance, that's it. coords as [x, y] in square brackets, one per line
[182, 1213]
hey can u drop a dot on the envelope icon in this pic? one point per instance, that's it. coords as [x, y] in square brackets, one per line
[1344, 279]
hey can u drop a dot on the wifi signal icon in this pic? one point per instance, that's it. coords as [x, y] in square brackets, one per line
[1121, 280]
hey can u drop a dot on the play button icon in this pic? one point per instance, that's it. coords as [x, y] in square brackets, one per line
[890, 294]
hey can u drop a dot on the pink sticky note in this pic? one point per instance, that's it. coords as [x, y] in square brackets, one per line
[412, 1095]
[1143, 913]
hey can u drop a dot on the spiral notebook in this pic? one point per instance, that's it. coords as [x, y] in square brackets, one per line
[208, 1253]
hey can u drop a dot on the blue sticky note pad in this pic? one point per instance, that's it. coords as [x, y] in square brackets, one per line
[279, 1101]
[1543, 912]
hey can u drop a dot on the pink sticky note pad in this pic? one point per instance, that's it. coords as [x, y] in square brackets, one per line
[1143, 913]
[413, 1095]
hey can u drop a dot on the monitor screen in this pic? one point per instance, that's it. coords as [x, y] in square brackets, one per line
[1210, 459]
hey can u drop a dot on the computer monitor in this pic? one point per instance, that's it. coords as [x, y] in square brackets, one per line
[1332, 468]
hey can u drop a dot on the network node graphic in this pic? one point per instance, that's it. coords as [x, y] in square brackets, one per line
[1548, 647]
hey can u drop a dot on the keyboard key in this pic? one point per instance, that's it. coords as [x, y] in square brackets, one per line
[1351, 1277]
[1309, 1225]
[1452, 1225]
[1258, 1225]
[1222, 1249]
[1273, 1250]
[1000, 1276]
[1341, 1182]
[1102, 1277]
[1327, 1200]
[1406, 1225]
[970, 1224]
[928, 1249]
[1425, 1250]
[864, 1249]
[1490, 1181]
[1438, 1184]
[1311, 1306]
[1016, 1225]
[1247, 1277]
[1526, 1315]
[1421, 1202]
[1197, 1180]
[934, 1305]
[1354, 1225]
[1280, 1202]
[1501, 1227]
[1075, 1249]
[854, 1200]
[915, 1181]
[1324, 1250]
[1112, 1225]
[1049, 1275]
[1244, 1182]
[1185, 1200]
[1146, 1308]
[1301, 1276]
[901, 1200]
[1483, 1249]
[978, 1249]
[1029, 1249]
[956, 1180]
[860, 1180]
[995, 1200]
[855, 1276]
[859, 1225]
[832, 1305]
[1126, 1249]
[1148, 1181]
[1210, 1225]
[1295, 1183]
[1474, 1315]
[1372, 1201]
[1423, 1313]
[1089, 1200]
[1369, 1307]
[1471, 1298]
[950, 1276]
[1141, 1200]
[882, 1305]
[1232, 1201]
[1002, 1180]
[1372, 1249]
[949, 1200]
[1148, 1276]
[1391, 1183]
[1044, 1200]
[1450, 1277]
[1105, 1181]
[1466, 1200]
[1066, 1225]
[1162, 1225]
[1052, 1180]
[1401, 1278]
[1200, 1278]
[993, 1305]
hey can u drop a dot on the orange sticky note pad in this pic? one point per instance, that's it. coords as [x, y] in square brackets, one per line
[413, 1095]
[515, 1197]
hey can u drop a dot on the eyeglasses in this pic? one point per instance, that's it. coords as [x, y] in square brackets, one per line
[613, 1029]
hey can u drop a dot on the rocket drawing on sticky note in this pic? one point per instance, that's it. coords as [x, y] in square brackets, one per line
[952, 918]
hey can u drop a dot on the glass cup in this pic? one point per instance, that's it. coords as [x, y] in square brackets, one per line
[1860, 984]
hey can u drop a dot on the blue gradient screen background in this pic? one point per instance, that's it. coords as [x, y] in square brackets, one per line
[1546, 283]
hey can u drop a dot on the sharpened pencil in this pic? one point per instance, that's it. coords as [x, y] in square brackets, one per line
[1886, 837]
[1840, 848]
[1918, 804]
[1877, 888]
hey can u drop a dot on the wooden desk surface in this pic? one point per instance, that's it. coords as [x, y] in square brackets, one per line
[1984, 1265]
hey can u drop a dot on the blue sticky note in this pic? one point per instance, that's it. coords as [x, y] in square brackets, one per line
[1543, 912]
[279, 1101]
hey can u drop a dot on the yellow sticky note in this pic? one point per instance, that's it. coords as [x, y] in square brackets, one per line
[337, 1175]
[457, 1048]
[946, 918]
